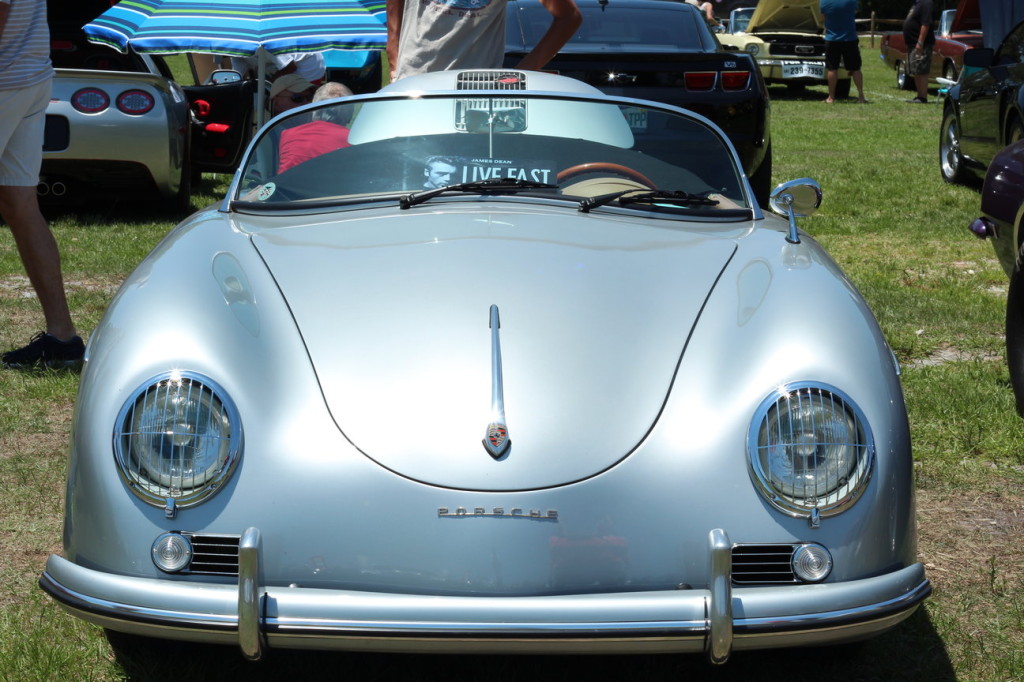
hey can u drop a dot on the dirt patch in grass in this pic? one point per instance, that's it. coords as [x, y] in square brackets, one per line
[964, 534]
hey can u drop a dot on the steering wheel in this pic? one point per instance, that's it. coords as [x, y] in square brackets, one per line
[603, 167]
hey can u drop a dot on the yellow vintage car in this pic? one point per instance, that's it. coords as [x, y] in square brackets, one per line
[787, 38]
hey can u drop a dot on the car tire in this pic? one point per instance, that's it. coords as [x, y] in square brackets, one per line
[1014, 131]
[761, 180]
[903, 79]
[181, 202]
[843, 88]
[949, 71]
[1015, 332]
[951, 161]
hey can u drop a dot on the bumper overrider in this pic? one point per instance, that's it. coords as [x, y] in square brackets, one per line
[716, 620]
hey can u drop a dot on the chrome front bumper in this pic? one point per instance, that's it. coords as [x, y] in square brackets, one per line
[717, 620]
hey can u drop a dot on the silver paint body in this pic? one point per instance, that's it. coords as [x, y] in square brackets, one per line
[355, 343]
[158, 140]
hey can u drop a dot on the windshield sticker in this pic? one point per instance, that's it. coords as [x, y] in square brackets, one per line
[266, 191]
[440, 171]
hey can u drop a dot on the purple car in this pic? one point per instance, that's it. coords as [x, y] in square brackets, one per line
[1002, 208]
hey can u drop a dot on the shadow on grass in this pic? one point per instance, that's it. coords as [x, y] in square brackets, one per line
[911, 651]
[85, 210]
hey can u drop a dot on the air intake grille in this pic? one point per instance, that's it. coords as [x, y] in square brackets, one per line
[213, 554]
[491, 80]
[763, 565]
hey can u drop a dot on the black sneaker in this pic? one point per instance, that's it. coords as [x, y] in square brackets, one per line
[917, 100]
[46, 350]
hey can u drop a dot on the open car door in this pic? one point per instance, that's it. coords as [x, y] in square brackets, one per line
[221, 115]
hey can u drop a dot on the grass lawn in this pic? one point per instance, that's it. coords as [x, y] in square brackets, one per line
[890, 222]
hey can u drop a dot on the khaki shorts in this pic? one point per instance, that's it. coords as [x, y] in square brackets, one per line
[22, 125]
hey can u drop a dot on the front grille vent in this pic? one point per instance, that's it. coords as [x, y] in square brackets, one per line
[491, 80]
[804, 46]
[763, 565]
[213, 554]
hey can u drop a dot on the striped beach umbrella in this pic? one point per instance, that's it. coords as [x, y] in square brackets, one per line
[241, 27]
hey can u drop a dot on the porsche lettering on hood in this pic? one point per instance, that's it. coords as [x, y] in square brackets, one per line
[406, 367]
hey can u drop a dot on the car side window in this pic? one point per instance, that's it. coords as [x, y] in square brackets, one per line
[1012, 49]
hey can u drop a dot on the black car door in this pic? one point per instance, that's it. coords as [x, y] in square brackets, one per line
[221, 117]
[987, 94]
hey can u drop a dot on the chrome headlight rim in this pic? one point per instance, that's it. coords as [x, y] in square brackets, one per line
[848, 488]
[214, 477]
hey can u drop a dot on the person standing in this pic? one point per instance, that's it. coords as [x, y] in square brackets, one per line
[920, 41]
[26, 80]
[841, 45]
[438, 35]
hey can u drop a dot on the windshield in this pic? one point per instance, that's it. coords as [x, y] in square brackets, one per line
[549, 146]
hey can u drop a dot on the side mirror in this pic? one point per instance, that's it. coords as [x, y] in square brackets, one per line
[979, 57]
[793, 199]
[222, 76]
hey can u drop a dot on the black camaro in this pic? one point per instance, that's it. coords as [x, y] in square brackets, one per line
[661, 51]
[984, 111]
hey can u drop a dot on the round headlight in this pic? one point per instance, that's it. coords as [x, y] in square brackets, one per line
[810, 450]
[811, 563]
[172, 552]
[178, 437]
[753, 48]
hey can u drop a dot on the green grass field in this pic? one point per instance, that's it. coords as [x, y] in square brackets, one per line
[890, 222]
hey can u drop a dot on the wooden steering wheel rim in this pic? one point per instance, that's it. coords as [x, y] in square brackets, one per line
[603, 167]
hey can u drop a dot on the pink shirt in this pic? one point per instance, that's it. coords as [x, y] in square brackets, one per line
[310, 140]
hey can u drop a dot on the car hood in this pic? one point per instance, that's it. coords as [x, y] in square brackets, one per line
[594, 315]
[786, 15]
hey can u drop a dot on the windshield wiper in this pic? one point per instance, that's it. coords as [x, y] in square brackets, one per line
[654, 196]
[494, 185]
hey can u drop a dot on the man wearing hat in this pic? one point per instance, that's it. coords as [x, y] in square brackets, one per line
[290, 91]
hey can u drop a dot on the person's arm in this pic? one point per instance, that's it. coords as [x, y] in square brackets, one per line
[919, 47]
[565, 19]
[395, 12]
[926, 23]
[5, 8]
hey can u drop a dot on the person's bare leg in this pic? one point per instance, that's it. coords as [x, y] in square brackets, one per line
[858, 80]
[831, 77]
[922, 86]
[39, 254]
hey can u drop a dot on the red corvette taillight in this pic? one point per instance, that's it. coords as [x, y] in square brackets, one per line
[700, 80]
[135, 102]
[90, 100]
[735, 80]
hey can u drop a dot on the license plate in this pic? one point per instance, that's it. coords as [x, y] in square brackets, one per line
[635, 117]
[803, 70]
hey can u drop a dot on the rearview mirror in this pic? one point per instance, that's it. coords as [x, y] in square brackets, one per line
[505, 120]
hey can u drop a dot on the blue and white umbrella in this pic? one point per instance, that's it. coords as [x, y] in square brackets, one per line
[241, 27]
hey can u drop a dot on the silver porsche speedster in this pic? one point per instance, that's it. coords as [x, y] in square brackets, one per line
[491, 362]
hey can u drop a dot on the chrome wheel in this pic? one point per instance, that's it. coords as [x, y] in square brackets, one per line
[902, 78]
[950, 160]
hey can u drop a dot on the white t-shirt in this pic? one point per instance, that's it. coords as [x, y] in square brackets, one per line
[439, 35]
[309, 65]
